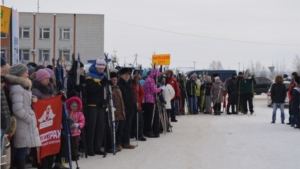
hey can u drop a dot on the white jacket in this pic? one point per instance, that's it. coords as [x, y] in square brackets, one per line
[168, 94]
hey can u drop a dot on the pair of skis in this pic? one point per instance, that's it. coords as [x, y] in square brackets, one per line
[111, 114]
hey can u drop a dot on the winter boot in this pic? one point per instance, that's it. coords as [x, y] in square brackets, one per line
[227, 110]
[128, 146]
[273, 122]
[119, 148]
[20, 164]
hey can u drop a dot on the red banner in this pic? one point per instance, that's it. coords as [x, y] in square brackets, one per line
[49, 115]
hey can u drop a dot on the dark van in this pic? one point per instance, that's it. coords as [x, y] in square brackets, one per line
[223, 74]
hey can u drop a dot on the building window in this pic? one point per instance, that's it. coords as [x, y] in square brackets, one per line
[65, 54]
[3, 35]
[3, 53]
[44, 55]
[24, 33]
[64, 34]
[44, 33]
[24, 54]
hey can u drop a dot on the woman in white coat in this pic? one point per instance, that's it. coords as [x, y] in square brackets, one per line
[27, 134]
[168, 94]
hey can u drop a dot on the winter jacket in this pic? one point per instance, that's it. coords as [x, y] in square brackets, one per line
[232, 87]
[127, 95]
[246, 86]
[207, 87]
[290, 91]
[217, 92]
[5, 112]
[141, 94]
[174, 84]
[150, 87]
[118, 103]
[27, 134]
[77, 116]
[95, 84]
[75, 90]
[296, 100]
[41, 91]
[168, 94]
[278, 93]
[191, 88]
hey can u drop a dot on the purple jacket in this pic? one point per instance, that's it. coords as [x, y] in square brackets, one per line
[150, 87]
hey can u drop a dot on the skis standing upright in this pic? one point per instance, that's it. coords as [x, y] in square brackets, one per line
[111, 113]
[224, 96]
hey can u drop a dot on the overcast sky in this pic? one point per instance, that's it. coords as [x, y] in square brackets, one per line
[264, 21]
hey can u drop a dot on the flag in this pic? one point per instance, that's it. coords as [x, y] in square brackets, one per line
[49, 116]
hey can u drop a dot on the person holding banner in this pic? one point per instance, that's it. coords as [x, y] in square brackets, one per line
[27, 134]
[43, 89]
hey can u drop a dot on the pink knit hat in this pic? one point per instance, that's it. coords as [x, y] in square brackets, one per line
[42, 74]
[50, 71]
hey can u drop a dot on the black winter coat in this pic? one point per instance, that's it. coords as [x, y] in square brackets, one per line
[191, 88]
[5, 114]
[127, 95]
[206, 86]
[232, 87]
[296, 101]
[95, 92]
[278, 93]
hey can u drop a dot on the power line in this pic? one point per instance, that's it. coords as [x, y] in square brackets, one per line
[206, 37]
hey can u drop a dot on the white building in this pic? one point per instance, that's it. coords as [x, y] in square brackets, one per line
[47, 36]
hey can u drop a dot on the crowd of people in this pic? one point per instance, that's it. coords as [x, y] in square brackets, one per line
[142, 106]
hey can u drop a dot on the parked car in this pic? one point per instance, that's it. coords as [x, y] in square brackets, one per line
[223, 74]
[269, 100]
[262, 85]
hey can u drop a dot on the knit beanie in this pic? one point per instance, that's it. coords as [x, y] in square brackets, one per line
[100, 63]
[50, 71]
[3, 62]
[30, 69]
[42, 74]
[39, 67]
[17, 69]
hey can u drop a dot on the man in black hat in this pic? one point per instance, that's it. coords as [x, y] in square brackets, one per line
[124, 84]
[232, 94]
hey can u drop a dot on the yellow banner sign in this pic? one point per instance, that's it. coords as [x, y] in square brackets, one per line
[5, 19]
[161, 59]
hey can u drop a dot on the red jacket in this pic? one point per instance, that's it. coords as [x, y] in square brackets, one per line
[141, 94]
[290, 91]
[174, 84]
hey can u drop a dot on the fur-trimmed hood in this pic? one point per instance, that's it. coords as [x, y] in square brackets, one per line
[74, 99]
[47, 90]
[15, 80]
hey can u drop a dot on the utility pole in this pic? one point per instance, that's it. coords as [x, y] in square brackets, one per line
[135, 60]
[194, 65]
[38, 6]
[239, 66]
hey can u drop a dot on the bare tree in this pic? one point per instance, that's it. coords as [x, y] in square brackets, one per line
[216, 65]
[296, 64]
[281, 67]
[263, 72]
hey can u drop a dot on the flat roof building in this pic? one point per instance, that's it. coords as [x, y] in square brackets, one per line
[48, 35]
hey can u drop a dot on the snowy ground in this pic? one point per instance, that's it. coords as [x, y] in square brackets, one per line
[213, 142]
